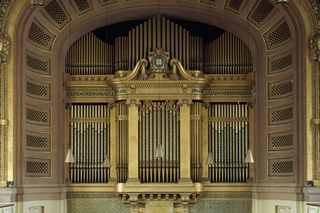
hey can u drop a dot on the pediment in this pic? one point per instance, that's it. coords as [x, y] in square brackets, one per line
[158, 78]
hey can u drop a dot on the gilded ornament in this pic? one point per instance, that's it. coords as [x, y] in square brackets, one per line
[158, 61]
[4, 47]
[37, 3]
[315, 46]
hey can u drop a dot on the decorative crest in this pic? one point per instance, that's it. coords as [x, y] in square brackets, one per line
[158, 61]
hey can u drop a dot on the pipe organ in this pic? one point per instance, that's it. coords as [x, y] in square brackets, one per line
[159, 86]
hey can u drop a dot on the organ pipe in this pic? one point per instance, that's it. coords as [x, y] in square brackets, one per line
[122, 142]
[228, 141]
[227, 55]
[90, 56]
[89, 133]
[196, 141]
[161, 32]
[158, 124]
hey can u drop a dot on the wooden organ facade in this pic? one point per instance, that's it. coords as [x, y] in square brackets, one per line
[159, 86]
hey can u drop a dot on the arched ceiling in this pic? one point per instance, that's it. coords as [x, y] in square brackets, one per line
[257, 23]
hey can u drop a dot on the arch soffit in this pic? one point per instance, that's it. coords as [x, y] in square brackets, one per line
[215, 15]
[120, 12]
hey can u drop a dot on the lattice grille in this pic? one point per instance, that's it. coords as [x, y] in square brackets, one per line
[281, 141]
[279, 35]
[281, 167]
[38, 65]
[281, 115]
[281, 63]
[40, 116]
[261, 12]
[235, 4]
[39, 36]
[37, 90]
[280, 89]
[55, 11]
[38, 168]
[82, 4]
[41, 142]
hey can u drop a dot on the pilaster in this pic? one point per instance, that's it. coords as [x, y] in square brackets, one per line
[185, 140]
[133, 117]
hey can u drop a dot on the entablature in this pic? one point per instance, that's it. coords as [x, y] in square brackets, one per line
[156, 80]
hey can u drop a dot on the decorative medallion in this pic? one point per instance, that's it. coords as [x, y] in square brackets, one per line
[158, 61]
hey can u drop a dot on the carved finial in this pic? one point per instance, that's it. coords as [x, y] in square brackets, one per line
[143, 75]
[173, 64]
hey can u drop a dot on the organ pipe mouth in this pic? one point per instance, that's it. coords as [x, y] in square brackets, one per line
[159, 153]
[249, 157]
[106, 162]
[69, 157]
[210, 159]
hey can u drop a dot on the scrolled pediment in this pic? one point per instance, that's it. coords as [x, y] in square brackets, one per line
[157, 78]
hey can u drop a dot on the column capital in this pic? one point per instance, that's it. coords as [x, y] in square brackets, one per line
[133, 102]
[187, 102]
[111, 105]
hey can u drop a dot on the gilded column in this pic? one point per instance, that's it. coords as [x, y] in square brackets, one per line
[133, 118]
[185, 141]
